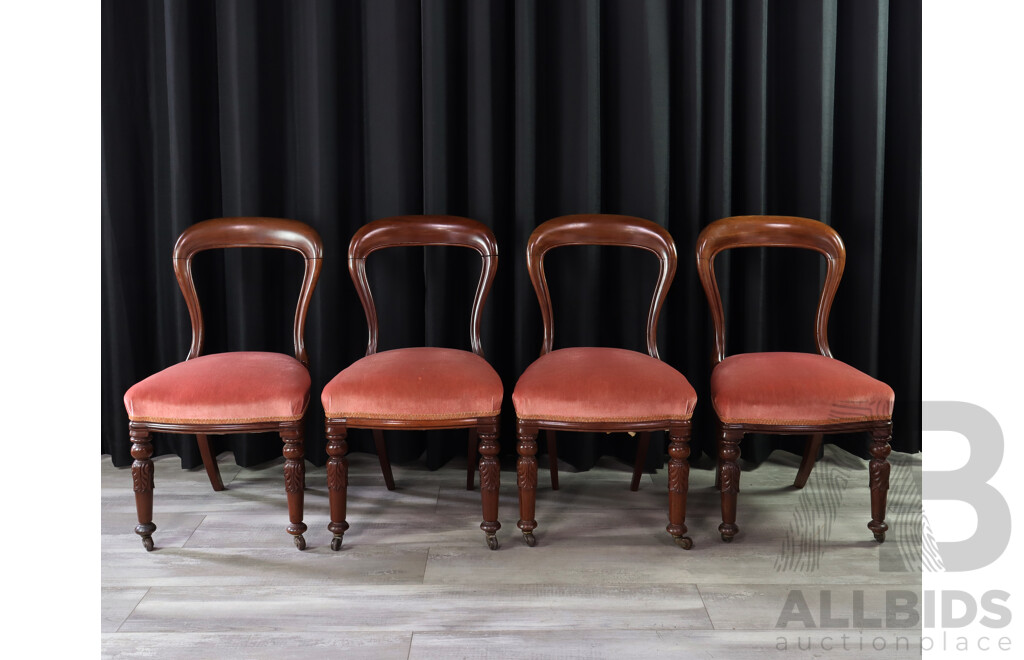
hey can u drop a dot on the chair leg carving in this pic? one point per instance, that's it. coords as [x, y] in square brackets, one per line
[811, 449]
[490, 481]
[878, 471]
[337, 481]
[210, 461]
[552, 437]
[382, 457]
[471, 460]
[526, 480]
[728, 454]
[142, 484]
[718, 461]
[643, 443]
[678, 484]
[295, 481]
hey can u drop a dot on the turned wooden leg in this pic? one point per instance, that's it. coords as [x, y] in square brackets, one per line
[643, 442]
[210, 461]
[728, 453]
[490, 480]
[811, 448]
[337, 481]
[142, 484]
[382, 456]
[526, 479]
[553, 458]
[878, 469]
[718, 461]
[678, 484]
[294, 481]
[471, 460]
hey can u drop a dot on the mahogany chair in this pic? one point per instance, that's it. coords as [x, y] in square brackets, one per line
[790, 393]
[235, 392]
[603, 389]
[416, 388]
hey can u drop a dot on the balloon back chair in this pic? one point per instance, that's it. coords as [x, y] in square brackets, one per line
[234, 392]
[790, 393]
[602, 389]
[416, 388]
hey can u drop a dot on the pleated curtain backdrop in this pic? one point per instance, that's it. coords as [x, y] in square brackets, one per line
[338, 113]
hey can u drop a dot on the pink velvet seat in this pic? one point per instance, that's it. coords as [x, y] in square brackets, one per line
[421, 383]
[593, 384]
[223, 388]
[796, 388]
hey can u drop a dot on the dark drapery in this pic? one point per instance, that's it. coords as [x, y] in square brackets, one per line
[337, 113]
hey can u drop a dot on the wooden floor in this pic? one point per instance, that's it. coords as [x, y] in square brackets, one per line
[416, 580]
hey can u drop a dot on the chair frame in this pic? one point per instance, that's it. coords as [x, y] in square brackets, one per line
[785, 231]
[418, 230]
[231, 233]
[620, 231]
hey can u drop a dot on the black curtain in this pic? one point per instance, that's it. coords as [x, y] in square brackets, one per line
[337, 113]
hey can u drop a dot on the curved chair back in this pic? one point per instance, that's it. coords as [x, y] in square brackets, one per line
[414, 230]
[249, 232]
[601, 229]
[769, 231]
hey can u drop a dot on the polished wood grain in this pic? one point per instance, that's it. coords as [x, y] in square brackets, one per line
[791, 232]
[612, 230]
[239, 232]
[405, 231]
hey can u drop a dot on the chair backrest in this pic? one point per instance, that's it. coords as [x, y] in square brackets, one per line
[769, 231]
[423, 230]
[249, 232]
[601, 229]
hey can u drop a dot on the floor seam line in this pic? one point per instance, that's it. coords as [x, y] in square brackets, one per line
[125, 620]
[705, 606]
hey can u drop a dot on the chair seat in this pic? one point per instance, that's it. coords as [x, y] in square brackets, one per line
[796, 388]
[410, 384]
[593, 384]
[223, 388]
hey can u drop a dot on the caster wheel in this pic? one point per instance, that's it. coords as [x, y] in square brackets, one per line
[684, 542]
[880, 537]
[336, 543]
[531, 540]
[147, 541]
[492, 541]
[300, 542]
[726, 539]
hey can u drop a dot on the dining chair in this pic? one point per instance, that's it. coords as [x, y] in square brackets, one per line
[790, 393]
[234, 392]
[603, 389]
[417, 388]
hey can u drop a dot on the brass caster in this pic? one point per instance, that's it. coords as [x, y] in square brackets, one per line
[300, 542]
[336, 543]
[147, 541]
[684, 542]
[880, 537]
[726, 539]
[531, 540]
[492, 541]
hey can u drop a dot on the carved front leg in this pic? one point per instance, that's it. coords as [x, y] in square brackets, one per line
[337, 481]
[490, 480]
[878, 470]
[526, 479]
[678, 484]
[142, 484]
[729, 470]
[294, 481]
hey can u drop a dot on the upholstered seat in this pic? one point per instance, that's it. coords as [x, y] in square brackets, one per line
[796, 388]
[420, 383]
[223, 388]
[592, 384]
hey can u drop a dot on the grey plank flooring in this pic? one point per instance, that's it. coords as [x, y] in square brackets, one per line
[415, 579]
